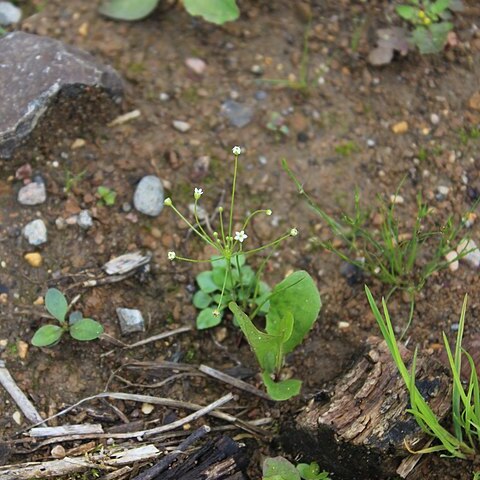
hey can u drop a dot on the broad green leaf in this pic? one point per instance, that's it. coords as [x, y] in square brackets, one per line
[407, 12]
[267, 348]
[218, 277]
[47, 335]
[439, 6]
[214, 11]
[86, 329]
[311, 472]
[56, 304]
[127, 9]
[297, 294]
[283, 390]
[279, 468]
[201, 300]
[206, 319]
[206, 283]
[247, 275]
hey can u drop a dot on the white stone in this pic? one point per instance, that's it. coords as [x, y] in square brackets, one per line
[131, 320]
[147, 408]
[32, 194]
[443, 190]
[181, 126]
[196, 65]
[84, 220]
[473, 255]
[35, 232]
[435, 119]
[149, 195]
[9, 14]
[397, 199]
[453, 264]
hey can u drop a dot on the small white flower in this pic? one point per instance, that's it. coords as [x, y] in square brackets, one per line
[171, 255]
[268, 212]
[216, 313]
[197, 193]
[293, 232]
[240, 236]
[167, 202]
[236, 151]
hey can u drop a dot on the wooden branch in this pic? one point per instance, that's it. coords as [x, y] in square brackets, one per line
[85, 429]
[361, 431]
[18, 396]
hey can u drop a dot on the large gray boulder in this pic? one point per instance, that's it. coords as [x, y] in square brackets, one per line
[34, 70]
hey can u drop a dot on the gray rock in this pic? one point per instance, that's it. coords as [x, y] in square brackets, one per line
[9, 14]
[33, 193]
[34, 70]
[84, 220]
[238, 114]
[470, 252]
[148, 198]
[131, 320]
[35, 232]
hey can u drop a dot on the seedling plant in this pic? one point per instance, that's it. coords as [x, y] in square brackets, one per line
[465, 441]
[80, 328]
[403, 261]
[290, 309]
[279, 468]
[107, 196]
[431, 22]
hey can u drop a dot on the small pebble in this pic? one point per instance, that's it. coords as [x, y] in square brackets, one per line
[39, 301]
[131, 320]
[149, 196]
[164, 97]
[84, 220]
[147, 408]
[196, 65]
[78, 143]
[34, 259]
[58, 452]
[343, 325]
[22, 349]
[454, 327]
[32, 194]
[181, 126]
[443, 190]
[473, 255]
[435, 119]
[35, 232]
[238, 114]
[397, 199]
[453, 264]
[371, 143]
[262, 160]
[17, 417]
[400, 128]
[9, 14]
[261, 95]
[256, 70]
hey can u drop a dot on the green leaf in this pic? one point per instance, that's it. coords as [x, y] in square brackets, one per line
[201, 300]
[279, 468]
[214, 11]
[47, 335]
[439, 6]
[247, 275]
[127, 9]
[86, 329]
[297, 294]
[56, 304]
[407, 12]
[311, 472]
[107, 195]
[206, 319]
[431, 40]
[218, 276]
[74, 317]
[267, 348]
[206, 283]
[283, 390]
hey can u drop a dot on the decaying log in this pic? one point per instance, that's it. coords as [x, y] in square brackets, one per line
[221, 459]
[361, 431]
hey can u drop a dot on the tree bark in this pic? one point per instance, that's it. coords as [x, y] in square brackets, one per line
[361, 431]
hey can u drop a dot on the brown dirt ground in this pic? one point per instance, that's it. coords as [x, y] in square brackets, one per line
[356, 103]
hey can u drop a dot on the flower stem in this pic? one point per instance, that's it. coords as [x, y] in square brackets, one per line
[230, 223]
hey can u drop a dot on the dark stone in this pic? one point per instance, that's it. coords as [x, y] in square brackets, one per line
[34, 72]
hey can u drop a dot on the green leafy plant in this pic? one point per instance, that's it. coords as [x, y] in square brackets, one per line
[279, 468]
[214, 11]
[465, 440]
[80, 328]
[107, 195]
[242, 285]
[345, 149]
[430, 20]
[291, 308]
[71, 179]
[276, 124]
[403, 261]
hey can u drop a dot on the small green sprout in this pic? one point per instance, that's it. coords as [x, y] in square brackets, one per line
[71, 179]
[279, 468]
[277, 125]
[107, 195]
[80, 328]
[430, 20]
